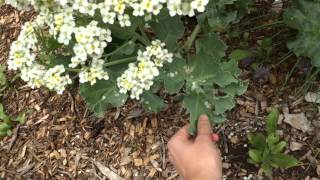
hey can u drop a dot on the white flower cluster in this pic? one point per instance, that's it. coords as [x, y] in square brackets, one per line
[59, 18]
[63, 26]
[112, 10]
[140, 75]
[93, 73]
[91, 41]
[116, 9]
[23, 55]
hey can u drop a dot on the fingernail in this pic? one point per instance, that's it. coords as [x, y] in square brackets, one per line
[204, 118]
[215, 137]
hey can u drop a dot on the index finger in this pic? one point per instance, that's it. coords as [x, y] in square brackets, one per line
[204, 128]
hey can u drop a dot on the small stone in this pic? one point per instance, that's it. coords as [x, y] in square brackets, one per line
[263, 105]
[312, 97]
[298, 121]
[234, 140]
[280, 119]
[295, 146]
[226, 165]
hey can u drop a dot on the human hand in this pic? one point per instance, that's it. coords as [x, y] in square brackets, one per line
[199, 158]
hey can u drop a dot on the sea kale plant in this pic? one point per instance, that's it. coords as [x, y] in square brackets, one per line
[303, 16]
[121, 49]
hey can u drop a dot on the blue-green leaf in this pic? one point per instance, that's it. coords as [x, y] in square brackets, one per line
[173, 78]
[100, 95]
[212, 45]
[168, 29]
[304, 16]
[195, 104]
[151, 102]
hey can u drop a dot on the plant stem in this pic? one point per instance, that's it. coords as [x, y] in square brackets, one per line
[287, 56]
[120, 48]
[141, 39]
[72, 70]
[192, 38]
[277, 23]
[120, 61]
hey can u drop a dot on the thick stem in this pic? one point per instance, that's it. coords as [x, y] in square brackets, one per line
[146, 42]
[120, 48]
[120, 61]
[277, 23]
[72, 70]
[192, 38]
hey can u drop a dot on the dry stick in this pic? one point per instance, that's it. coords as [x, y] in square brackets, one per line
[14, 138]
[163, 154]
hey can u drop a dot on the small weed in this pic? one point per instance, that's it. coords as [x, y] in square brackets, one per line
[267, 150]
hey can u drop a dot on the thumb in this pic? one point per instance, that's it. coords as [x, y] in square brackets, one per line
[204, 128]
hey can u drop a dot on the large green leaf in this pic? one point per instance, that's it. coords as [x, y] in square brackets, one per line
[173, 77]
[125, 32]
[168, 29]
[223, 103]
[195, 104]
[283, 160]
[279, 147]
[272, 121]
[255, 155]
[258, 141]
[152, 102]
[227, 73]
[202, 69]
[102, 94]
[207, 75]
[304, 16]
[221, 13]
[236, 88]
[272, 139]
[212, 45]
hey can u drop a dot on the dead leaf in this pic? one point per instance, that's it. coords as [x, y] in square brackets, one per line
[318, 170]
[295, 146]
[107, 172]
[152, 173]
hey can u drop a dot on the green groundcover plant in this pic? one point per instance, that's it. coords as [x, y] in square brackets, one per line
[120, 49]
[7, 122]
[267, 150]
